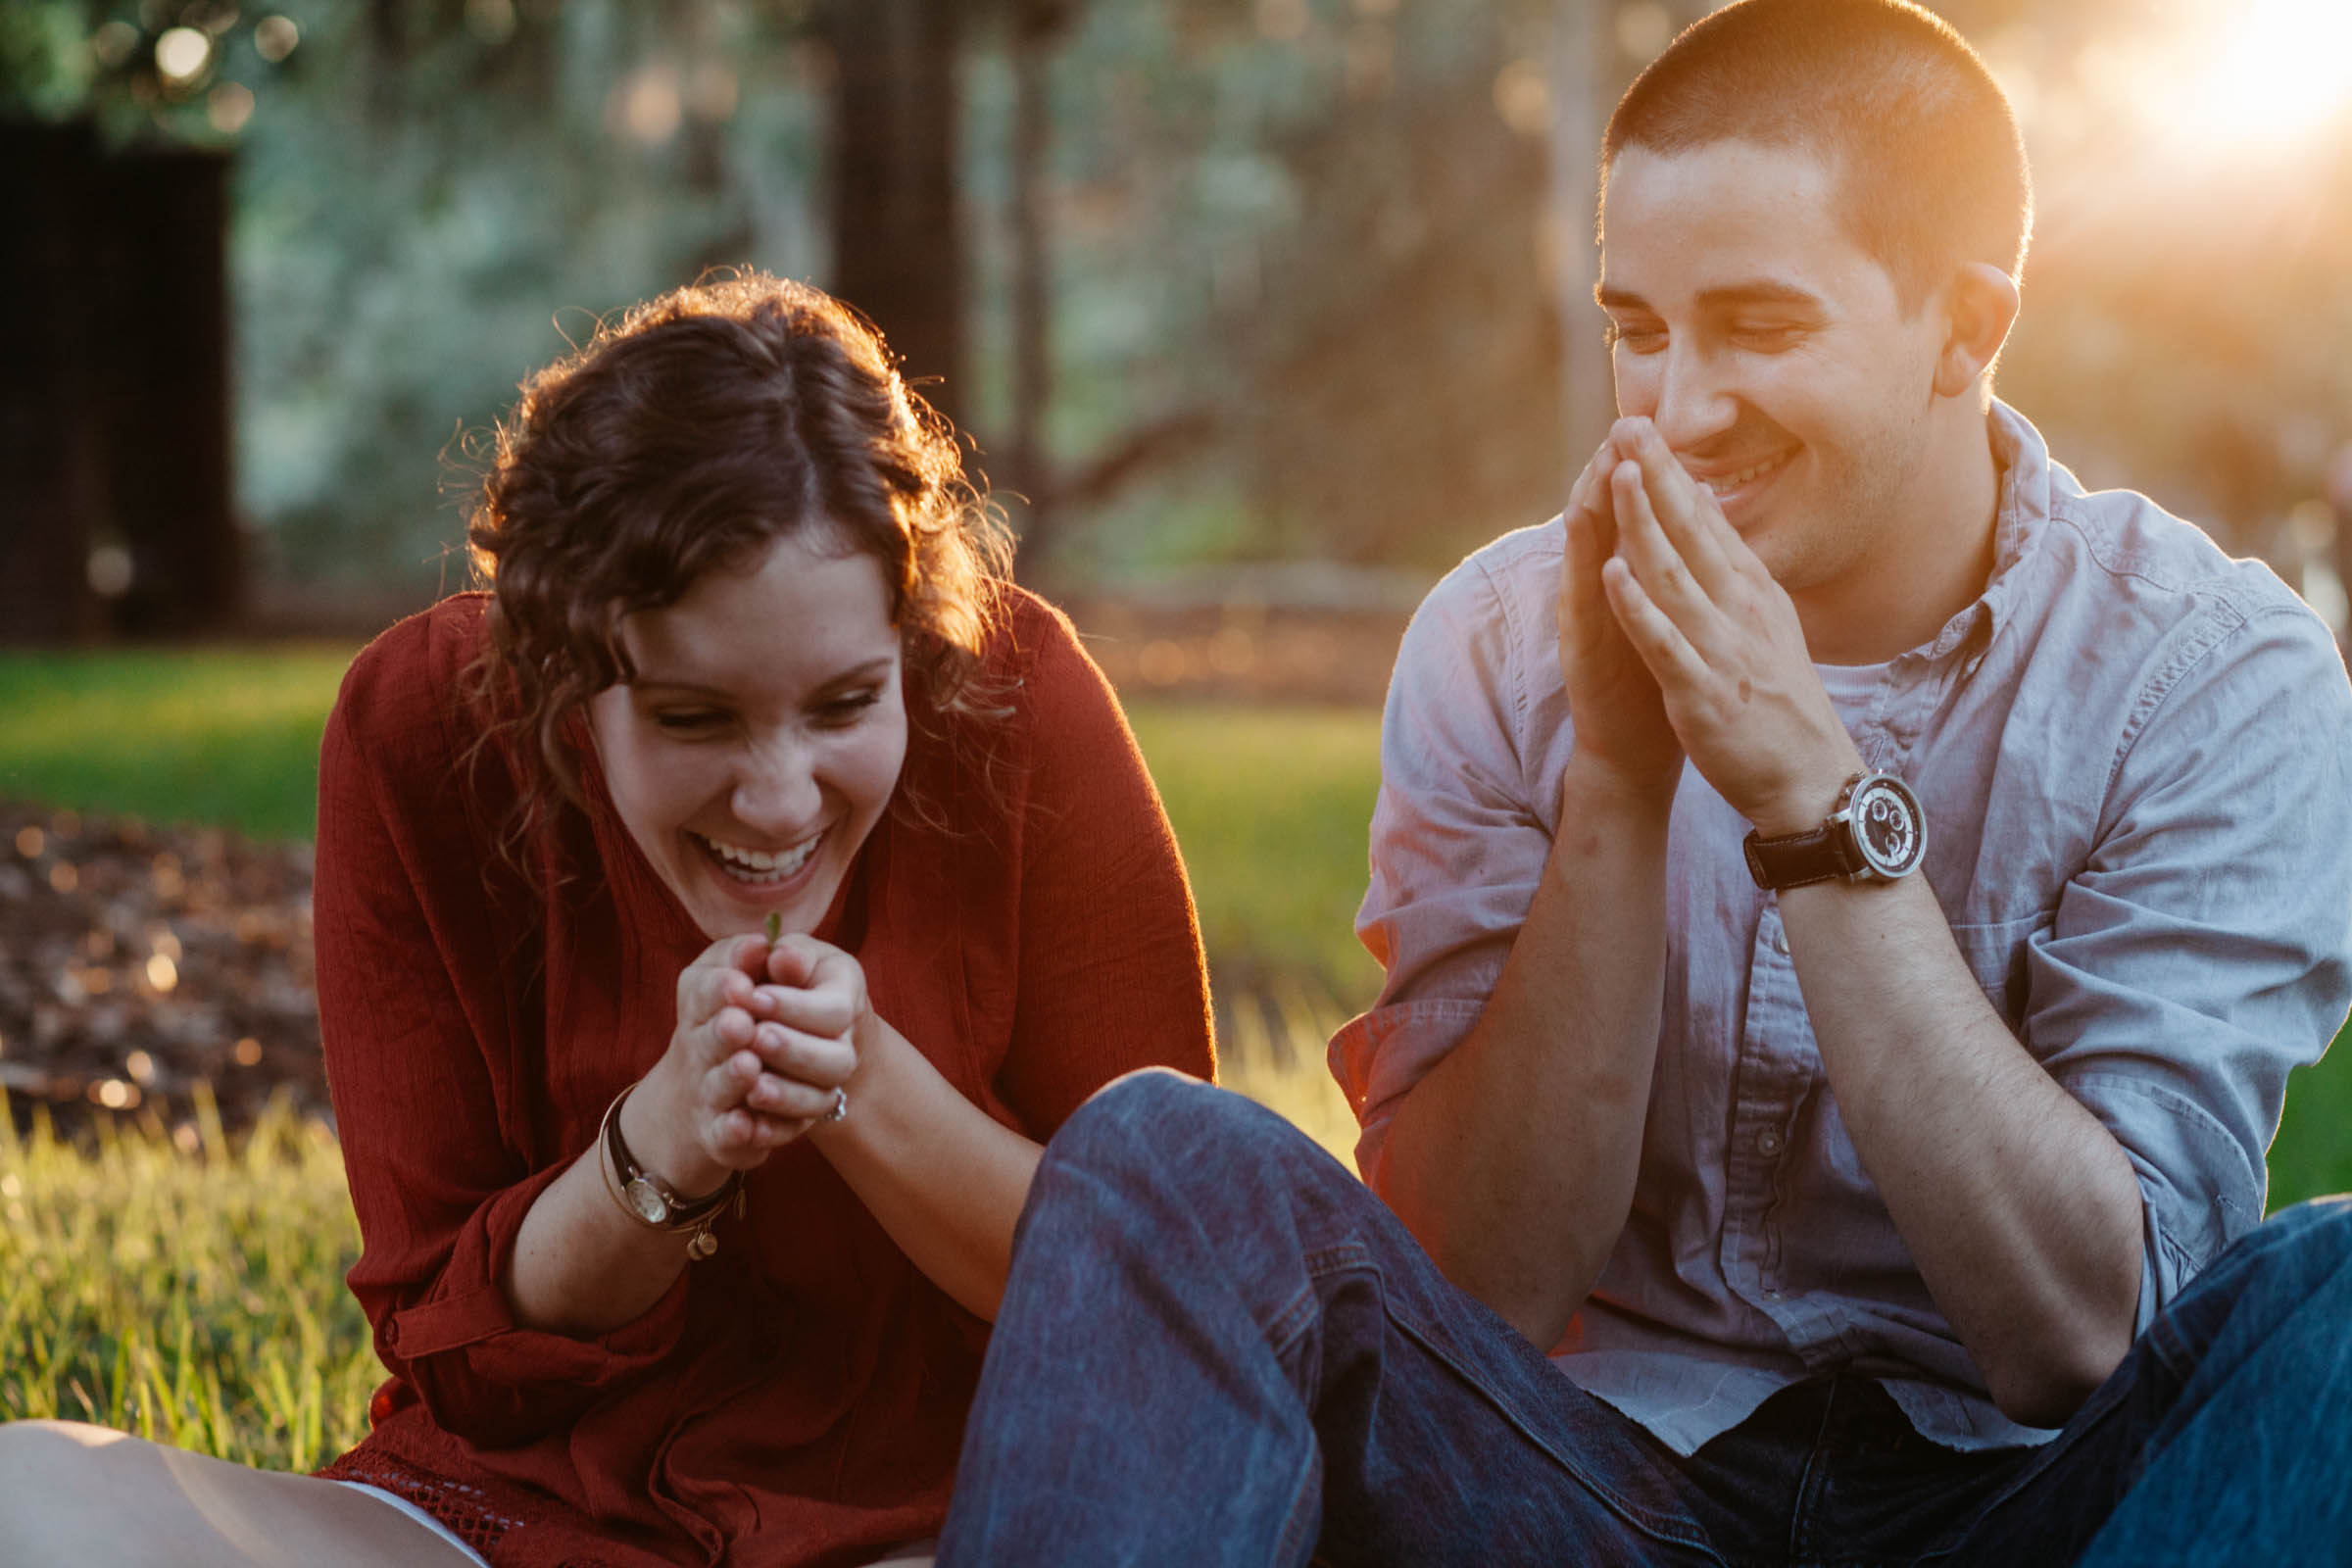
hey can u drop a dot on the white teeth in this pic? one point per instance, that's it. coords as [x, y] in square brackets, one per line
[1723, 484]
[755, 865]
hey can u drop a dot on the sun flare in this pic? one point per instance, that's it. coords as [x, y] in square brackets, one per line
[2276, 71]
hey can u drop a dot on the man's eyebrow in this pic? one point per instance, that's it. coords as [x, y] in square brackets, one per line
[1760, 291]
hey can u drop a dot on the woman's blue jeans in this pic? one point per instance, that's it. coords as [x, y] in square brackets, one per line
[1218, 1348]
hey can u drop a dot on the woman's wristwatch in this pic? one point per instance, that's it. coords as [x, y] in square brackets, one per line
[1876, 833]
[652, 1202]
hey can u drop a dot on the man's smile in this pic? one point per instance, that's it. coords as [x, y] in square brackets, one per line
[1733, 485]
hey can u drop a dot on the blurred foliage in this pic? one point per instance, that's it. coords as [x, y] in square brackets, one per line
[522, 176]
[433, 199]
[2186, 330]
[1310, 228]
[1302, 299]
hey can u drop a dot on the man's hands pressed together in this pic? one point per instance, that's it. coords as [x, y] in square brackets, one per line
[1621, 722]
[1720, 641]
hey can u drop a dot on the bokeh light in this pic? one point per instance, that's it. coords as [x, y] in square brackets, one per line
[646, 105]
[181, 54]
[275, 38]
[110, 571]
[114, 42]
[228, 106]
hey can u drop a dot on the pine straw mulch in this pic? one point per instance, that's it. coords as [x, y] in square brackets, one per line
[141, 966]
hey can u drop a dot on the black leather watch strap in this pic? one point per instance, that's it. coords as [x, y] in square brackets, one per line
[1796, 859]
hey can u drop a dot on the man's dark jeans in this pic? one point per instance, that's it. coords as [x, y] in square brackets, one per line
[1218, 1348]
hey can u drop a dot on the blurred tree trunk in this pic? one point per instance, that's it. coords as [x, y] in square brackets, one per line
[1586, 78]
[1037, 27]
[897, 236]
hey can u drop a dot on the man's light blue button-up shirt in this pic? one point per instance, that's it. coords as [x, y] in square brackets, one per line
[2134, 757]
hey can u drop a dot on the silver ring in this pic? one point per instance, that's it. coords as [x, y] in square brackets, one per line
[840, 1106]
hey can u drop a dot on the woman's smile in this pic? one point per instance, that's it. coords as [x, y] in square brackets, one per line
[756, 868]
[760, 738]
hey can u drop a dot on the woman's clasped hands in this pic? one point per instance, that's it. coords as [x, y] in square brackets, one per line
[767, 1042]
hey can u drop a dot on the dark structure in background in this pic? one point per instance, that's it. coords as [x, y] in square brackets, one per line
[115, 516]
[897, 240]
[1037, 28]
[900, 249]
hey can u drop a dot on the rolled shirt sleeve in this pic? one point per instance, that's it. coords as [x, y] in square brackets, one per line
[2200, 955]
[1458, 842]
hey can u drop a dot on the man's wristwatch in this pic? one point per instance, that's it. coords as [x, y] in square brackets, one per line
[1875, 834]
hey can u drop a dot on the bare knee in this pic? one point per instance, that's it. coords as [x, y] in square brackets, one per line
[36, 1456]
[76, 1493]
[57, 1482]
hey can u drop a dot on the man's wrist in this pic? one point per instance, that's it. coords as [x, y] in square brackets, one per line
[1806, 802]
[1591, 785]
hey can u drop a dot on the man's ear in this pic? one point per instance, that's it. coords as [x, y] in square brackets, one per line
[1981, 305]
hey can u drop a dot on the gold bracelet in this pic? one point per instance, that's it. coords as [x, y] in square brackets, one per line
[653, 1203]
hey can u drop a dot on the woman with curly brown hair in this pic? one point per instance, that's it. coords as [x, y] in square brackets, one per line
[711, 919]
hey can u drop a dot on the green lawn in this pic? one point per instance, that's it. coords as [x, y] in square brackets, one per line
[1271, 805]
[222, 736]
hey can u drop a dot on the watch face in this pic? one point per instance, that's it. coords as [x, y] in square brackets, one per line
[647, 1202]
[1889, 829]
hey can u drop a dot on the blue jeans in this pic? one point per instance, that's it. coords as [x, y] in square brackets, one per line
[1218, 1348]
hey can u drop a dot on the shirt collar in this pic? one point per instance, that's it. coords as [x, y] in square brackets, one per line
[2021, 507]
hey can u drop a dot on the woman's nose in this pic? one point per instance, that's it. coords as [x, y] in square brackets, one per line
[776, 789]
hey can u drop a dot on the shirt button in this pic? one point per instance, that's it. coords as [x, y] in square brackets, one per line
[1780, 939]
[1768, 1141]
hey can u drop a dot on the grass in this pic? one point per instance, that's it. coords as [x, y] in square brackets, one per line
[189, 1291]
[2312, 1155]
[1272, 805]
[222, 736]
[189, 1286]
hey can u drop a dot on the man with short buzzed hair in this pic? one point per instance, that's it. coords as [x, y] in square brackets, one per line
[1851, 901]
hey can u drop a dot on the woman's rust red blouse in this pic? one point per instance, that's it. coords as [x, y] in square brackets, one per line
[797, 1399]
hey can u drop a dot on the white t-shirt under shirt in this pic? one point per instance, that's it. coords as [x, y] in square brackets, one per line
[1852, 687]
